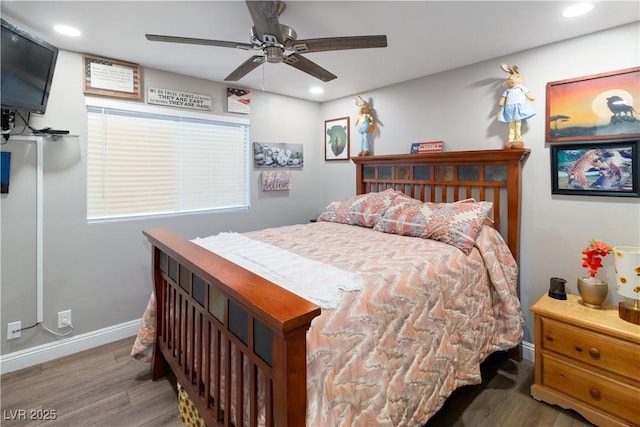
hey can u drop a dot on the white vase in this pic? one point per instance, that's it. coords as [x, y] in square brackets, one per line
[593, 291]
[627, 262]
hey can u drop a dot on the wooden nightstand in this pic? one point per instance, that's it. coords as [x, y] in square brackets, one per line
[587, 360]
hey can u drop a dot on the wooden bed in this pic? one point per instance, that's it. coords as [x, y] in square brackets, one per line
[208, 306]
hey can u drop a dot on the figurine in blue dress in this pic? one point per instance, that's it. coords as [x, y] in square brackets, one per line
[515, 105]
[364, 124]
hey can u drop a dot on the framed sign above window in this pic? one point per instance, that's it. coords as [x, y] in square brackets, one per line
[596, 169]
[109, 77]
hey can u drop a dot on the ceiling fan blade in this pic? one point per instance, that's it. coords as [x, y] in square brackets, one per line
[309, 67]
[245, 68]
[337, 43]
[190, 40]
[265, 19]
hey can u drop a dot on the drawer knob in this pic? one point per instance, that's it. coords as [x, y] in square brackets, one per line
[548, 337]
[595, 394]
[594, 353]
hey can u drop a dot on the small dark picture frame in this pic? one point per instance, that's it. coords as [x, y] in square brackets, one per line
[337, 139]
[602, 169]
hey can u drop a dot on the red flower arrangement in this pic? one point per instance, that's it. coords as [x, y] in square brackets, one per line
[593, 255]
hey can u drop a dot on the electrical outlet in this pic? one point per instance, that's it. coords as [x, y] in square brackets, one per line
[64, 319]
[14, 330]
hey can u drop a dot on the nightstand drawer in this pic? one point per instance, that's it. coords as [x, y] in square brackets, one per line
[599, 350]
[595, 390]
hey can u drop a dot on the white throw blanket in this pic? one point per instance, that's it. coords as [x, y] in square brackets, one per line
[318, 282]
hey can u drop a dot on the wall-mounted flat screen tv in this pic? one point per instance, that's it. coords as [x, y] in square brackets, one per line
[28, 63]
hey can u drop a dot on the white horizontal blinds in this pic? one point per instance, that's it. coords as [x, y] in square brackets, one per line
[212, 153]
[134, 170]
[145, 164]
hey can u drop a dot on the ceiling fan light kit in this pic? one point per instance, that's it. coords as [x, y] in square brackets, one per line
[274, 39]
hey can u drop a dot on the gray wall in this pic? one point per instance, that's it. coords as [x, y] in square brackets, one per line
[100, 271]
[459, 107]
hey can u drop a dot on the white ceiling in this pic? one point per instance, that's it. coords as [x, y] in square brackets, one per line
[424, 37]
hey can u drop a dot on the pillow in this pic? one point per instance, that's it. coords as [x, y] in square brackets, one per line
[457, 224]
[363, 210]
[487, 221]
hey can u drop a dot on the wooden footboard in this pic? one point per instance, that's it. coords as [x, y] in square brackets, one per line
[235, 341]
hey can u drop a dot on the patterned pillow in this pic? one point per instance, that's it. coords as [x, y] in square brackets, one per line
[457, 224]
[487, 221]
[364, 209]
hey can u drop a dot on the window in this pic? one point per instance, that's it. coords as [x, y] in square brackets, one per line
[142, 162]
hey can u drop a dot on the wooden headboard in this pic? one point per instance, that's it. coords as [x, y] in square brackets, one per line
[490, 175]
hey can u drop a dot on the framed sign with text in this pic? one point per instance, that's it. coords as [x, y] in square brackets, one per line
[110, 77]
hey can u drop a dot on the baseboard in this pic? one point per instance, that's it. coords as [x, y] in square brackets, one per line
[43, 353]
[528, 351]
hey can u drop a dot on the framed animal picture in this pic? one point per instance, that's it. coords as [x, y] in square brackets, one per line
[596, 169]
[336, 139]
[592, 108]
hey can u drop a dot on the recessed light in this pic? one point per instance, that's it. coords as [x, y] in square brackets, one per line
[316, 90]
[577, 9]
[67, 30]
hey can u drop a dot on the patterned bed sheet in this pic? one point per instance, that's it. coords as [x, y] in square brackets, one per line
[427, 316]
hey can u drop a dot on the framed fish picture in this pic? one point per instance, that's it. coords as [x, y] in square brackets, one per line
[602, 106]
[596, 169]
[336, 139]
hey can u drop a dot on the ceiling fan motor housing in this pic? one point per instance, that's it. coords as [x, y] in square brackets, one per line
[274, 53]
[273, 47]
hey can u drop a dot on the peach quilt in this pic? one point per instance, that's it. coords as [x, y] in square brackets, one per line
[427, 316]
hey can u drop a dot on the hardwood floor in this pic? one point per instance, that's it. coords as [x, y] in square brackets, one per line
[503, 400]
[103, 386]
[106, 387]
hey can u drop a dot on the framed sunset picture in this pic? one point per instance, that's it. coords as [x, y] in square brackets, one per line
[598, 107]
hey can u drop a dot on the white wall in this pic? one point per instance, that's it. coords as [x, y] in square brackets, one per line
[459, 107]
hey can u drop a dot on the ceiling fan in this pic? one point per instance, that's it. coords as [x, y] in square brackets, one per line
[274, 38]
